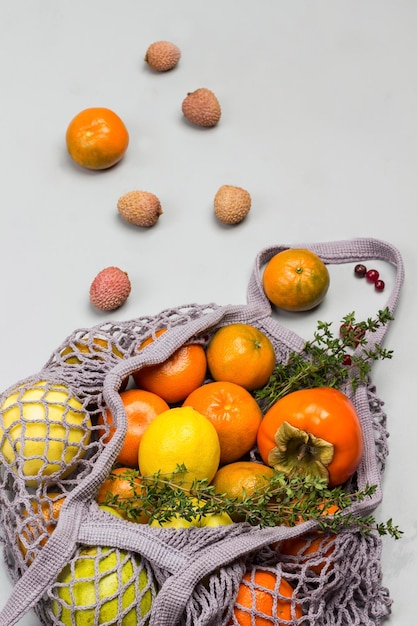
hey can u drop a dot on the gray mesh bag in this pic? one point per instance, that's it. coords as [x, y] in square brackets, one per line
[124, 573]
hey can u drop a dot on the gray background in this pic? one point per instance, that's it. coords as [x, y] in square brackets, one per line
[319, 124]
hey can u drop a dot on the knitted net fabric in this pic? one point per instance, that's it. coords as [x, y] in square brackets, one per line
[167, 577]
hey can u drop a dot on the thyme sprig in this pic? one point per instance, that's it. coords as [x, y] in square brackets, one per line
[283, 501]
[328, 360]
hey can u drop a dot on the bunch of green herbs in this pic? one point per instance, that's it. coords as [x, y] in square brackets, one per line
[328, 359]
[283, 501]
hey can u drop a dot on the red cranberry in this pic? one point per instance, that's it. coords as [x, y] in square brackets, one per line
[360, 270]
[347, 360]
[352, 333]
[379, 285]
[372, 276]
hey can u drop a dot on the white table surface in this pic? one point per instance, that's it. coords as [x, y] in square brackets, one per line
[319, 124]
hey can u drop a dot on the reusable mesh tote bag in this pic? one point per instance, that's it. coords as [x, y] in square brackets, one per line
[125, 573]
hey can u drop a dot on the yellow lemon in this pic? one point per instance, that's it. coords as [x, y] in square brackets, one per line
[96, 348]
[180, 436]
[44, 430]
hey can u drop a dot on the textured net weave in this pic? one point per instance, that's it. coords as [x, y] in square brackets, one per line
[167, 576]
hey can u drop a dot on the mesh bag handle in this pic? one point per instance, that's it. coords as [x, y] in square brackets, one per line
[334, 252]
[219, 549]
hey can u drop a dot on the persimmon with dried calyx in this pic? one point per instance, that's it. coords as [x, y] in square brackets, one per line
[312, 432]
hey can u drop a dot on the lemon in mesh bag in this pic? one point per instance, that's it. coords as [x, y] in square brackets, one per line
[44, 431]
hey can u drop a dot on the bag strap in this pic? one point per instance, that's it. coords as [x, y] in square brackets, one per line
[336, 253]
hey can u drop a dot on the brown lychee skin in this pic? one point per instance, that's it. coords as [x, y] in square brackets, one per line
[141, 208]
[231, 204]
[110, 289]
[201, 107]
[162, 56]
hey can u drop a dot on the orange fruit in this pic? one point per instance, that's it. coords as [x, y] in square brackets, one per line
[313, 548]
[42, 520]
[97, 138]
[242, 479]
[123, 485]
[258, 591]
[295, 279]
[176, 377]
[234, 413]
[241, 354]
[141, 408]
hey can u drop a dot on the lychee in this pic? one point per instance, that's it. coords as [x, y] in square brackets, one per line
[110, 289]
[201, 107]
[231, 204]
[141, 208]
[162, 56]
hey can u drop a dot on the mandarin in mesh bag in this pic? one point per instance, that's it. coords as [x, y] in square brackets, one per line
[39, 520]
[141, 408]
[234, 413]
[89, 347]
[242, 354]
[120, 489]
[263, 592]
[177, 376]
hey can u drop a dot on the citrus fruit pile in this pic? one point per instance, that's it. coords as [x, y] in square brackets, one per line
[192, 419]
[188, 416]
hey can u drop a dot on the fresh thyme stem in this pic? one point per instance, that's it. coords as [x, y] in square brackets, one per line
[283, 501]
[327, 360]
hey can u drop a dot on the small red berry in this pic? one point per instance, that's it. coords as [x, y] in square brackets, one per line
[372, 276]
[347, 360]
[360, 270]
[352, 335]
[379, 285]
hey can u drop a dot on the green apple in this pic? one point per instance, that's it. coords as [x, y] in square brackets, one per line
[89, 587]
[44, 430]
